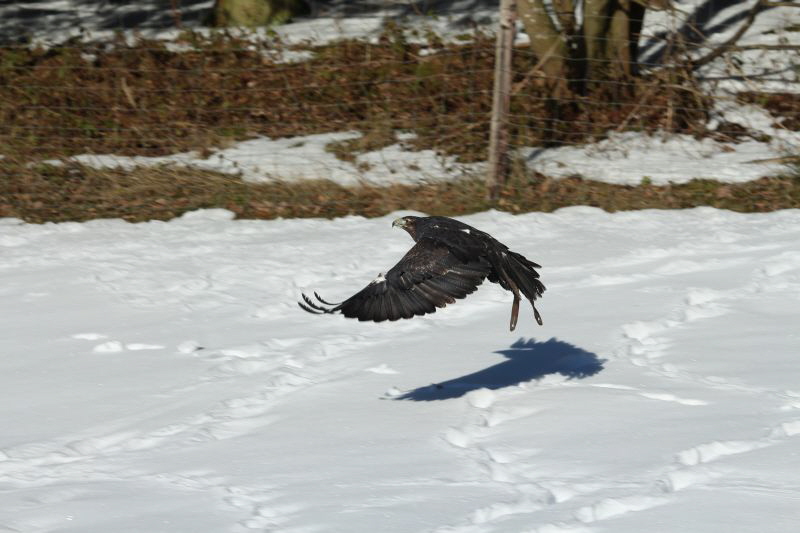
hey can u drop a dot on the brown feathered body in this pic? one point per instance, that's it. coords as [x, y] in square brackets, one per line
[449, 261]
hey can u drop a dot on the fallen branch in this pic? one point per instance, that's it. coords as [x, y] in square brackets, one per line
[517, 87]
[743, 48]
[786, 159]
[757, 8]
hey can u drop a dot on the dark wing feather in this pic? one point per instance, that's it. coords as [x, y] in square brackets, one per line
[467, 242]
[427, 277]
[513, 271]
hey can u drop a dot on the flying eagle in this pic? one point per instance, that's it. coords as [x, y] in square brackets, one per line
[449, 260]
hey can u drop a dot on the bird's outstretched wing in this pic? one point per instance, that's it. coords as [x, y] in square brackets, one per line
[427, 277]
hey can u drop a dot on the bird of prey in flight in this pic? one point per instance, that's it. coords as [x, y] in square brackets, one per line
[448, 262]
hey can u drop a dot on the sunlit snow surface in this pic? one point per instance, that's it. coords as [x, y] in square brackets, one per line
[307, 157]
[159, 377]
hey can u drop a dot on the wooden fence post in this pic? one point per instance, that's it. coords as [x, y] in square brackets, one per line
[501, 100]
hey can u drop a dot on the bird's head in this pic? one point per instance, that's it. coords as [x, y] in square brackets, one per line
[407, 223]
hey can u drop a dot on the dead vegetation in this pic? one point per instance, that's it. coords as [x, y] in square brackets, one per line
[72, 192]
[144, 98]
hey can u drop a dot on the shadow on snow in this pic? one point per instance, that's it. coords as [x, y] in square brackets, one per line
[525, 361]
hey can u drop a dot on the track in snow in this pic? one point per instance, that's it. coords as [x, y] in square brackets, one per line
[159, 377]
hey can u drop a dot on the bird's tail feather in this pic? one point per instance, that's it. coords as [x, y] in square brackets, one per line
[522, 272]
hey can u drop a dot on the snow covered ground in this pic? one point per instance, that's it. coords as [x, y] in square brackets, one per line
[625, 158]
[306, 157]
[56, 21]
[159, 377]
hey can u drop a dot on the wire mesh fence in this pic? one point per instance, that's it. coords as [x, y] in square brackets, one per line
[406, 100]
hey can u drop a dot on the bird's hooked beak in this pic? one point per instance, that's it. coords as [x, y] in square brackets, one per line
[401, 222]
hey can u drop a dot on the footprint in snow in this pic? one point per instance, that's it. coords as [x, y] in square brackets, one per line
[692, 462]
[672, 398]
[561, 528]
[188, 347]
[711, 451]
[137, 346]
[382, 369]
[89, 336]
[109, 347]
[790, 429]
[457, 438]
[503, 509]
[117, 346]
[686, 477]
[246, 367]
[265, 512]
[496, 416]
[392, 393]
[781, 264]
[10, 241]
[190, 286]
[790, 406]
[481, 398]
[614, 507]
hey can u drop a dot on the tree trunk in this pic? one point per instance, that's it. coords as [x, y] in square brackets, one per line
[611, 31]
[252, 13]
[599, 54]
[547, 42]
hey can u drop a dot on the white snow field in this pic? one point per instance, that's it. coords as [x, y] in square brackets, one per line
[159, 377]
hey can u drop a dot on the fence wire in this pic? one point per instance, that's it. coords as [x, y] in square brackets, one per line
[405, 101]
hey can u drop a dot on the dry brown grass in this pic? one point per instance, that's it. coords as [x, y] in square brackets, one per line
[75, 193]
[142, 99]
[785, 107]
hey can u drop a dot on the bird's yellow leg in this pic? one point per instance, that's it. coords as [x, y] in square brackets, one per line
[514, 312]
[536, 314]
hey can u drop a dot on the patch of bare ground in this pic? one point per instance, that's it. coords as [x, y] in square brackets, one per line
[73, 192]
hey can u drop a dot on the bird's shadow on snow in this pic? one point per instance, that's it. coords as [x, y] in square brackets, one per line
[526, 360]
